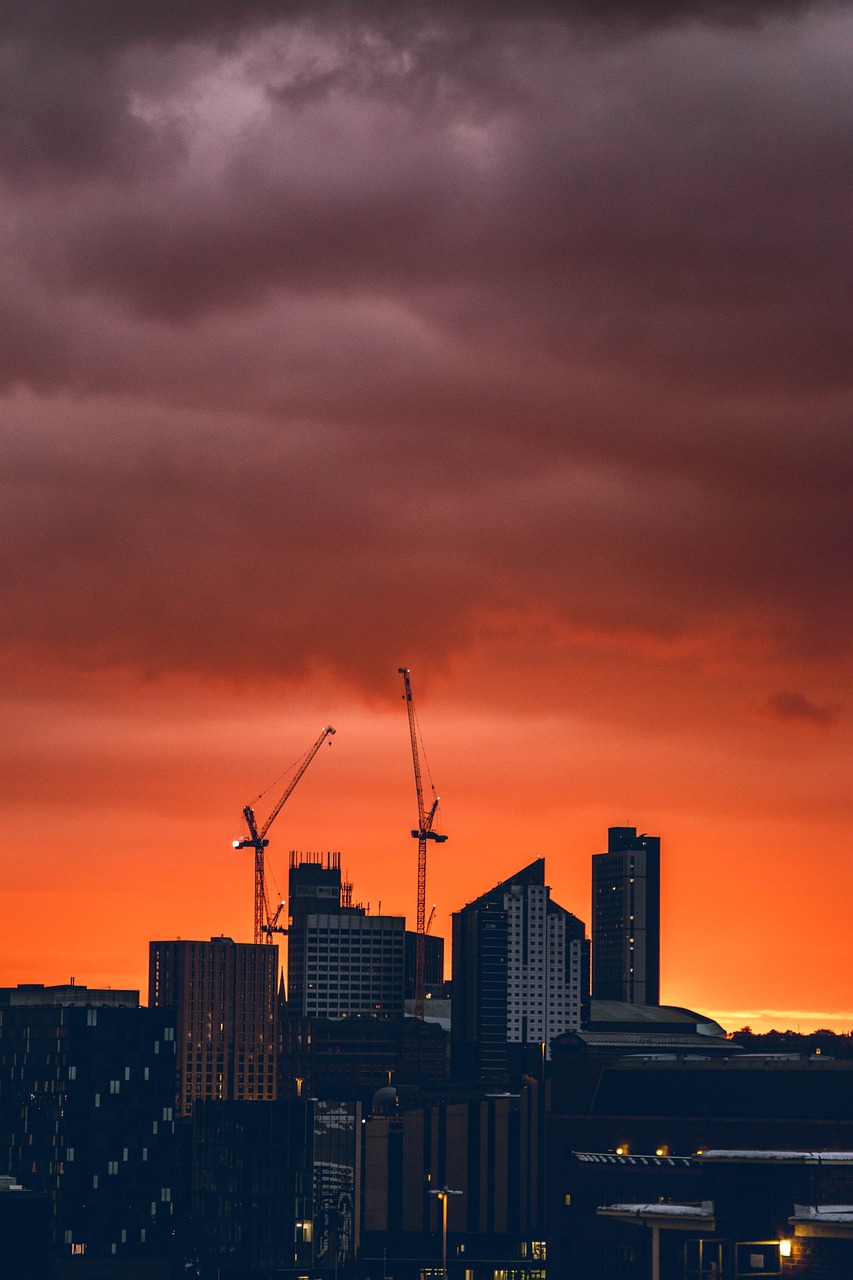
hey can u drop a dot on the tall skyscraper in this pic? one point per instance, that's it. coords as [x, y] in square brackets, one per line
[340, 960]
[224, 997]
[626, 918]
[520, 976]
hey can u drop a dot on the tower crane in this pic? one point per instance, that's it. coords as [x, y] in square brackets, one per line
[265, 924]
[424, 832]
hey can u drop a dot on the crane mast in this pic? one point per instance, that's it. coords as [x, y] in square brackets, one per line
[423, 833]
[265, 923]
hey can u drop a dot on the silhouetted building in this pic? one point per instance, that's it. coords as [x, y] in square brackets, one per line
[717, 1215]
[615, 1018]
[433, 962]
[24, 1231]
[353, 1056]
[488, 1150]
[314, 885]
[626, 918]
[86, 1119]
[275, 1187]
[520, 977]
[340, 960]
[715, 1150]
[67, 994]
[224, 997]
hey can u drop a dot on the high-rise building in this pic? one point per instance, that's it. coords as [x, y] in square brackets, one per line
[340, 960]
[87, 1093]
[626, 918]
[224, 997]
[520, 976]
[433, 961]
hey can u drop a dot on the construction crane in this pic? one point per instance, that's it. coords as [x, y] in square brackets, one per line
[265, 923]
[423, 833]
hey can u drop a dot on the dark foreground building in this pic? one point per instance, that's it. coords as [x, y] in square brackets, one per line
[626, 918]
[350, 1058]
[692, 1153]
[487, 1150]
[86, 1120]
[275, 1188]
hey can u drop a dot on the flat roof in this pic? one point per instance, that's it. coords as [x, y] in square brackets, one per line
[777, 1157]
[674, 1216]
[822, 1213]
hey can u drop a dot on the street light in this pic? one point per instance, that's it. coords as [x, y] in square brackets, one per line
[442, 1195]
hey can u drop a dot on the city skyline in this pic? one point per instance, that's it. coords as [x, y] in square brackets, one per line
[503, 342]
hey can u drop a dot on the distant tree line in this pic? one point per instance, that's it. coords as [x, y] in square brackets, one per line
[833, 1044]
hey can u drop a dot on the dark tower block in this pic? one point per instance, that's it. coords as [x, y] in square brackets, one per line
[626, 918]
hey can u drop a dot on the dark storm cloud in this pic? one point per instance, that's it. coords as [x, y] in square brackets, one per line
[105, 24]
[62, 94]
[642, 206]
[326, 322]
[796, 706]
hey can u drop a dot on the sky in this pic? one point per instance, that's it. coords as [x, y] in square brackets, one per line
[508, 342]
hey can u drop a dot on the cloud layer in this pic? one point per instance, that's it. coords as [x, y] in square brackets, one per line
[337, 337]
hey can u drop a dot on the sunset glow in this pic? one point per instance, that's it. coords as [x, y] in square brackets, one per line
[489, 341]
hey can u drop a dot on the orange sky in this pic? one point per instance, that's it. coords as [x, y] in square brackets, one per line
[498, 341]
[120, 809]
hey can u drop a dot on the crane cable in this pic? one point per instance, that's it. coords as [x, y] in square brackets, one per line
[285, 774]
[424, 757]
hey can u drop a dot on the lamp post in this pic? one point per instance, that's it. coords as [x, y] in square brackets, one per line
[442, 1195]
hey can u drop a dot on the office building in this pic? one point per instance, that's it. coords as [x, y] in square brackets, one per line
[340, 960]
[87, 1092]
[224, 997]
[351, 1057]
[489, 1149]
[626, 918]
[520, 977]
[433, 961]
[275, 1188]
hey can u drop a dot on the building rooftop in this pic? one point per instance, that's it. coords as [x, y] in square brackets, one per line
[30, 994]
[651, 1041]
[618, 1015]
[662, 1215]
[777, 1157]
